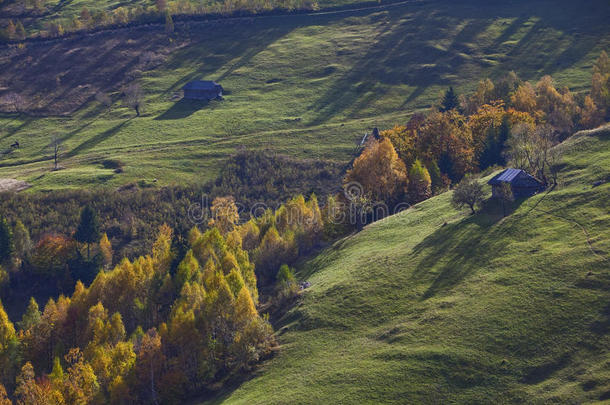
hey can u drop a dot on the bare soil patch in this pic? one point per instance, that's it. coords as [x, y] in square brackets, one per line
[13, 185]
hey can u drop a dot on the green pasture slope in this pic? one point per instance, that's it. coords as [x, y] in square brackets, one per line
[62, 10]
[436, 306]
[307, 86]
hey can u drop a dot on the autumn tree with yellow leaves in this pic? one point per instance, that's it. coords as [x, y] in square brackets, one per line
[380, 173]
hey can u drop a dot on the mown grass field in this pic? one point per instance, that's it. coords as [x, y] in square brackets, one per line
[308, 86]
[436, 306]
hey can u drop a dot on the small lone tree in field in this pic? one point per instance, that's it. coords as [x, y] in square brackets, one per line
[55, 148]
[505, 195]
[468, 193]
[88, 230]
[133, 97]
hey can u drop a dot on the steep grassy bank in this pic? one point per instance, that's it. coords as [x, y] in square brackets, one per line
[434, 306]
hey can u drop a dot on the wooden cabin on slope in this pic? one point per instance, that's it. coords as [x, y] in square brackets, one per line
[521, 183]
[202, 90]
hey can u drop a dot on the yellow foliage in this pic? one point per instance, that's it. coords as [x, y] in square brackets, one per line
[592, 116]
[224, 214]
[250, 234]
[524, 98]
[447, 135]
[7, 329]
[106, 250]
[4, 399]
[244, 307]
[235, 280]
[162, 250]
[194, 235]
[403, 140]
[380, 173]
[487, 117]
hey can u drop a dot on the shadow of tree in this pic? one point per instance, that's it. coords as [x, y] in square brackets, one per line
[456, 248]
[97, 139]
[211, 53]
[402, 53]
[509, 31]
[70, 134]
[18, 128]
[411, 49]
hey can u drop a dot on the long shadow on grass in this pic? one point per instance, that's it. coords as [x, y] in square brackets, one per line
[509, 31]
[214, 51]
[407, 50]
[402, 53]
[18, 128]
[454, 250]
[97, 139]
[537, 52]
[182, 109]
[70, 134]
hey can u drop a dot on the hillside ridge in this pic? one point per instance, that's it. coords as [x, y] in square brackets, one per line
[438, 305]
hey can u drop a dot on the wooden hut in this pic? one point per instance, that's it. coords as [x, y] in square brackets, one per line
[521, 183]
[202, 90]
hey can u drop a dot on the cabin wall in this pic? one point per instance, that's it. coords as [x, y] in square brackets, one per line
[200, 95]
[518, 192]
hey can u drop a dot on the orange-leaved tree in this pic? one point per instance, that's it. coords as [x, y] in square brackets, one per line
[446, 139]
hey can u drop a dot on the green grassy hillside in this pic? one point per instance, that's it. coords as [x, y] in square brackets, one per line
[62, 11]
[306, 85]
[435, 306]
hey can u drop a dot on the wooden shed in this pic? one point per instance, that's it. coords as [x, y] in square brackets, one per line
[202, 90]
[521, 183]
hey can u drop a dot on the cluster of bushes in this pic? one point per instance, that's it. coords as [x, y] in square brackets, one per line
[161, 11]
[143, 332]
[509, 120]
[255, 177]
[13, 31]
[52, 264]
[131, 216]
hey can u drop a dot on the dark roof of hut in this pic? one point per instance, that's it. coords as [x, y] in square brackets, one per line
[201, 85]
[514, 177]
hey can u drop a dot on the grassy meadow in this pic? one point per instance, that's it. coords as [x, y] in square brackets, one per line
[436, 306]
[308, 86]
